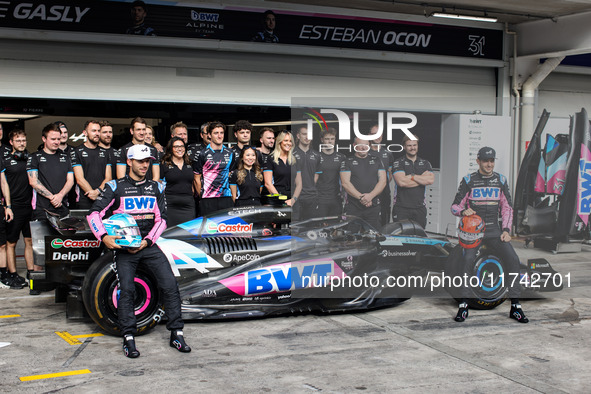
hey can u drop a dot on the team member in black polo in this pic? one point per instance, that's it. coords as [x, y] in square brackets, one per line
[411, 174]
[267, 140]
[308, 163]
[247, 178]
[212, 172]
[242, 132]
[67, 149]
[4, 149]
[329, 181]
[50, 175]
[277, 171]
[91, 166]
[363, 177]
[378, 149]
[105, 139]
[20, 198]
[11, 278]
[138, 134]
[177, 174]
[195, 148]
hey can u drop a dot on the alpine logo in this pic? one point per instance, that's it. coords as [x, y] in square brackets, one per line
[75, 243]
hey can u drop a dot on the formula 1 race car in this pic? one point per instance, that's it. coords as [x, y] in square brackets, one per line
[254, 262]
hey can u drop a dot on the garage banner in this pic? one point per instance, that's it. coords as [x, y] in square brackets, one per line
[257, 25]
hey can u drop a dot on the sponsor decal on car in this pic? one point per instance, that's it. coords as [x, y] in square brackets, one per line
[75, 243]
[392, 253]
[284, 277]
[70, 256]
[241, 212]
[215, 228]
[240, 258]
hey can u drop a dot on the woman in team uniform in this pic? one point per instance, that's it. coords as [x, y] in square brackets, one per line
[177, 173]
[247, 178]
[151, 140]
[278, 173]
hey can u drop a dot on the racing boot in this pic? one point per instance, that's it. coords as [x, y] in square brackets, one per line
[462, 312]
[129, 347]
[177, 341]
[517, 313]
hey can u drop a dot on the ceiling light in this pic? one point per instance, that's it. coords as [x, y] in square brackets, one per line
[15, 117]
[465, 17]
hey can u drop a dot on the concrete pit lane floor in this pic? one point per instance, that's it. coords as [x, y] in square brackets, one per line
[413, 347]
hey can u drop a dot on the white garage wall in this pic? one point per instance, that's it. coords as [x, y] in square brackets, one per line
[563, 94]
[33, 69]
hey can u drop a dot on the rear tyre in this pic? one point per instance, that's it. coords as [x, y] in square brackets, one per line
[100, 293]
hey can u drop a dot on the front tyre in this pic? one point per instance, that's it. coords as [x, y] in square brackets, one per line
[487, 278]
[100, 293]
[493, 282]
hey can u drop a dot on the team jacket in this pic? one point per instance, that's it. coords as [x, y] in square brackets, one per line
[143, 200]
[489, 197]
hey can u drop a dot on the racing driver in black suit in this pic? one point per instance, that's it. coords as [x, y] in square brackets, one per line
[486, 193]
[144, 200]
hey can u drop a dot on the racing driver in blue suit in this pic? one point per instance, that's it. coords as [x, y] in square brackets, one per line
[486, 193]
[144, 200]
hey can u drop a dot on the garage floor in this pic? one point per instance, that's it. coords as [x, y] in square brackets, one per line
[415, 346]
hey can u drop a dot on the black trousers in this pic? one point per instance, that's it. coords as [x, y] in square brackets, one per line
[155, 260]
[84, 202]
[209, 205]
[247, 202]
[371, 215]
[333, 208]
[385, 203]
[305, 208]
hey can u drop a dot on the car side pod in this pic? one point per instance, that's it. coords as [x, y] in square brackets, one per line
[543, 278]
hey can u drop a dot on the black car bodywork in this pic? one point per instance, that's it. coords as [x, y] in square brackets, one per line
[253, 262]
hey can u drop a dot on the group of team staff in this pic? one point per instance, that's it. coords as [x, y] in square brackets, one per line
[201, 178]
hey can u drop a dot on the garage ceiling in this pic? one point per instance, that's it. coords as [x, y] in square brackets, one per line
[510, 11]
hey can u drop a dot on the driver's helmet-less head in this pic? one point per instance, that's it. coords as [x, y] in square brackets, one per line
[124, 226]
[471, 231]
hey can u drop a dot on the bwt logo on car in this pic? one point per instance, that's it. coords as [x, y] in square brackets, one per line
[214, 228]
[75, 243]
[402, 121]
[287, 277]
[584, 197]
